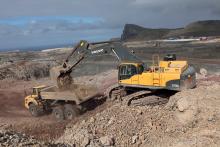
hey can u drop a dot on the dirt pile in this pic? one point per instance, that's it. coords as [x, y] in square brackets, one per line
[190, 118]
[191, 103]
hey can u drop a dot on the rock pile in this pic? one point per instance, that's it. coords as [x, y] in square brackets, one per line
[117, 125]
[12, 139]
[190, 118]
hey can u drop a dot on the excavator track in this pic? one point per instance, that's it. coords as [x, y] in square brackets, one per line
[129, 98]
[140, 98]
[149, 100]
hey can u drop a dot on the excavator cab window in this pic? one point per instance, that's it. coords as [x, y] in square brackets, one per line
[127, 71]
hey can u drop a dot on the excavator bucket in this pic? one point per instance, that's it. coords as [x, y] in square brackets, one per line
[55, 73]
[60, 75]
[62, 79]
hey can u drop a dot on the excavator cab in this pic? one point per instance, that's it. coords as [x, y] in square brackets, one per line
[127, 70]
[128, 73]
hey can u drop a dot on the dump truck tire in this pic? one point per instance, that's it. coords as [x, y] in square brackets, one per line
[70, 111]
[58, 113]
[35, 110]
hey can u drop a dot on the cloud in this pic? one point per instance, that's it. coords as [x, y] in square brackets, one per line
[45, 24]
[50, 30]
[59, 18]
[115, 13]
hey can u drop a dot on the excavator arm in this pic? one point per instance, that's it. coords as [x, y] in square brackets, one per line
[61, 75]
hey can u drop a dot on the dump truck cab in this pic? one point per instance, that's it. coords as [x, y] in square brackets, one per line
[33, 102]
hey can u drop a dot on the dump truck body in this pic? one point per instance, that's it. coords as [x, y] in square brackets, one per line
[76, 93]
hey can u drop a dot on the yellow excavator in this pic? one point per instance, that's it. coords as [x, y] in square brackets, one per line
[135, 79]
[133, 76]
[168, 73]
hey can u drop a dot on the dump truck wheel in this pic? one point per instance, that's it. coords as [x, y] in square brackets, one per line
[34, 110]
[58, 113]
[70, 111]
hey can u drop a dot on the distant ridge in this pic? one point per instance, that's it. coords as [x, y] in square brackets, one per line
[195, 29]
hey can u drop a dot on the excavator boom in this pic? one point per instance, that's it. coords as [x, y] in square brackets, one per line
[61, 75]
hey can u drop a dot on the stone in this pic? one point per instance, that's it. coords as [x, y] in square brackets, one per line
[85, 141]
[134, 139]
[211, 119]
[139, 112]
[106, 140]
[111, 121]
[182, 104]
[92, 120]
[203, 72]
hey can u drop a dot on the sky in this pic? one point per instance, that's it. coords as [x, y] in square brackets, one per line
[32, 23]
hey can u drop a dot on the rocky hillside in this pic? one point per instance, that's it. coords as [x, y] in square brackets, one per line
[196, 29]
[135, 32]
[200, 28]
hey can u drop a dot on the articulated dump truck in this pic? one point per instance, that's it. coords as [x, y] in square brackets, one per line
[135, 80]
[64, 103]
